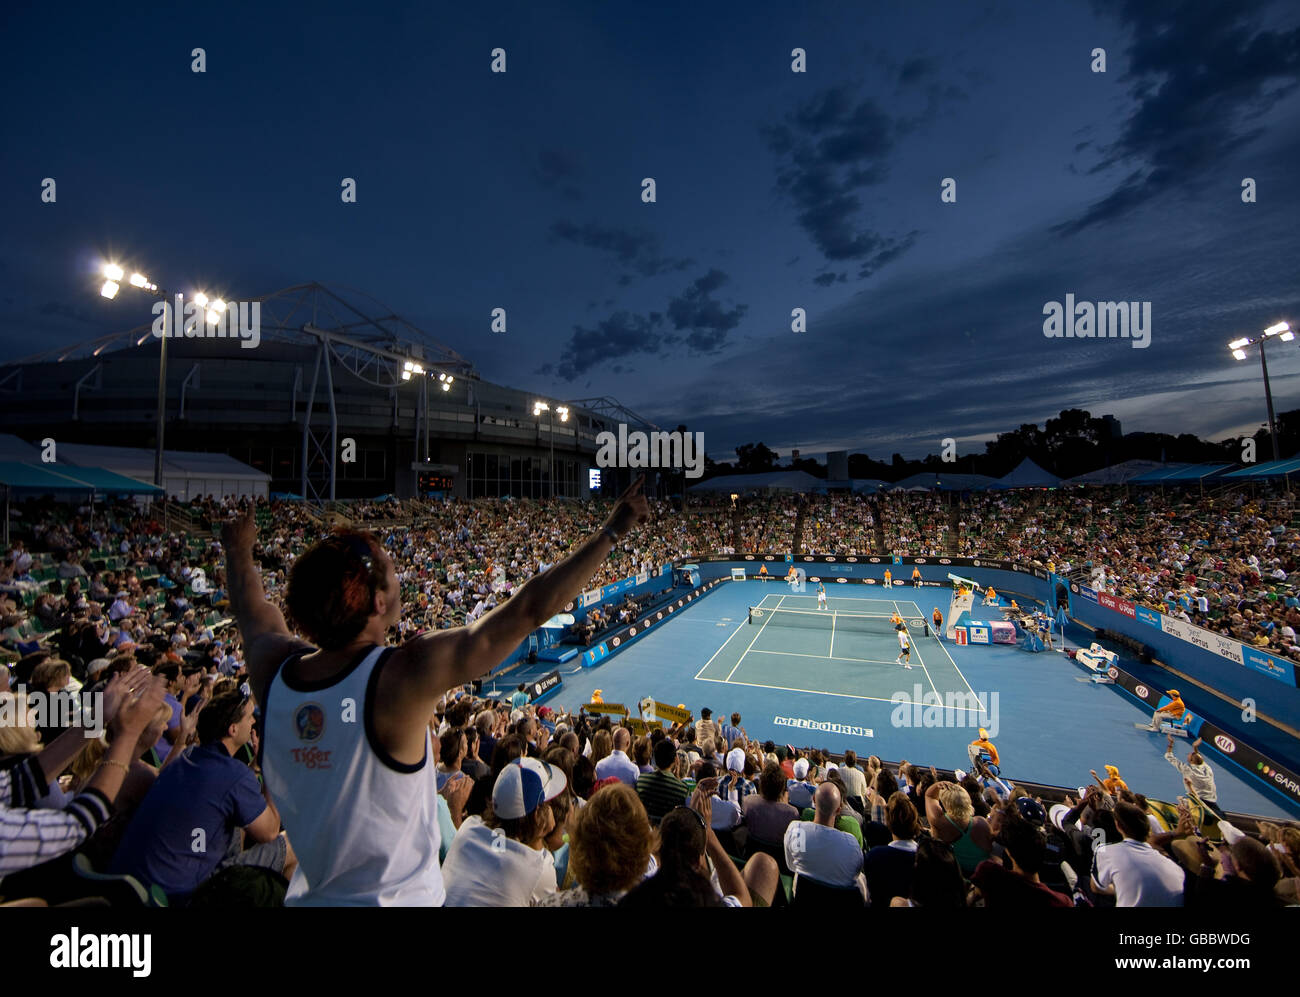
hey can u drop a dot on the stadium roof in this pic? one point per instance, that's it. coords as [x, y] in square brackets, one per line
[1116, 474]
[1181, 472]
[361, 331]
[23, 470]
[1027, 474]
[14, 448]
[1273, 469]
[36, 478]
[139, 462]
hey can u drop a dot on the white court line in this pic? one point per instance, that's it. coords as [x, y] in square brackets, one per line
[921, 662]
[832, 653]
[824, 657]
[739, 626]
[751, 643]
[814, 692]
[841, 695]
[939, 641]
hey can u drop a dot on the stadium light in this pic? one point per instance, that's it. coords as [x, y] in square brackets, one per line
[113, 276]
[1238, 348]
[564, 413]
[214, 313]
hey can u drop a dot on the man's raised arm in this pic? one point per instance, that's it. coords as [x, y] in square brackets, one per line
[261, 624]
[437, 661]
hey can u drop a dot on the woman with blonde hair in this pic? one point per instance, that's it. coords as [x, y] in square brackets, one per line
[610, 844]
[18, 737]
[951, 816]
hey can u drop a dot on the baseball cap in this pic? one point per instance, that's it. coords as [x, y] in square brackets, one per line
[97, 666]
[801, 768]
[523, 786]
[1172, 692]
[516, 716]
[1031, 810]
[736, 760]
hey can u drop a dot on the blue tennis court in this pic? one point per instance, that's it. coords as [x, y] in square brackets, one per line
[807, 683]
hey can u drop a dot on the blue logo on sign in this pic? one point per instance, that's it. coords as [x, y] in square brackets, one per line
[1266, 663]
[1087, 593]
[1149, 617]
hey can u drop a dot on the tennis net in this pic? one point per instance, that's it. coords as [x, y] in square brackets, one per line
[870, 623]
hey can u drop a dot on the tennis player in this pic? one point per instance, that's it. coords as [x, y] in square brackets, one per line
[821, 596]
[905, 643]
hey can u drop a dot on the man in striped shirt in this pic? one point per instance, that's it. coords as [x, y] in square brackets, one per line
[660, 790]
[28, 836]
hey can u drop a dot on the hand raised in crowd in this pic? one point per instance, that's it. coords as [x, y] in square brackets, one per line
[121, 688]
[190, 720]
[631, 510]
[456, 792]
[138, 710]
[239, 532]
[702, 799]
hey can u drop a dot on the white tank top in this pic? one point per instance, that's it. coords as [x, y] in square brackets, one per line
[364, 827]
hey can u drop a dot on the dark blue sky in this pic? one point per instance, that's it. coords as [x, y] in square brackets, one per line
[776, 190]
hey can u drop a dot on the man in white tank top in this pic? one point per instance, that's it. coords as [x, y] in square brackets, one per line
[346, 751]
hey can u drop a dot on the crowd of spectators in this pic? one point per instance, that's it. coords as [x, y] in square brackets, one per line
[108, 601]
[539, 806]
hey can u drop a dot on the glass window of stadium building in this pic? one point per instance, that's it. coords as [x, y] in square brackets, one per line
[489, 475]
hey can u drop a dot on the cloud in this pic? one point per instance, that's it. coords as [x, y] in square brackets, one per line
[828, 149]
[914, 70]
[1198, 73]
[704, 319]
[694, 319]
[621, 335]
[637, 250]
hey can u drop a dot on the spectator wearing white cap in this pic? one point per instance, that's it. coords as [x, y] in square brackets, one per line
[734, 787]
[799, 789]
[501, 859]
